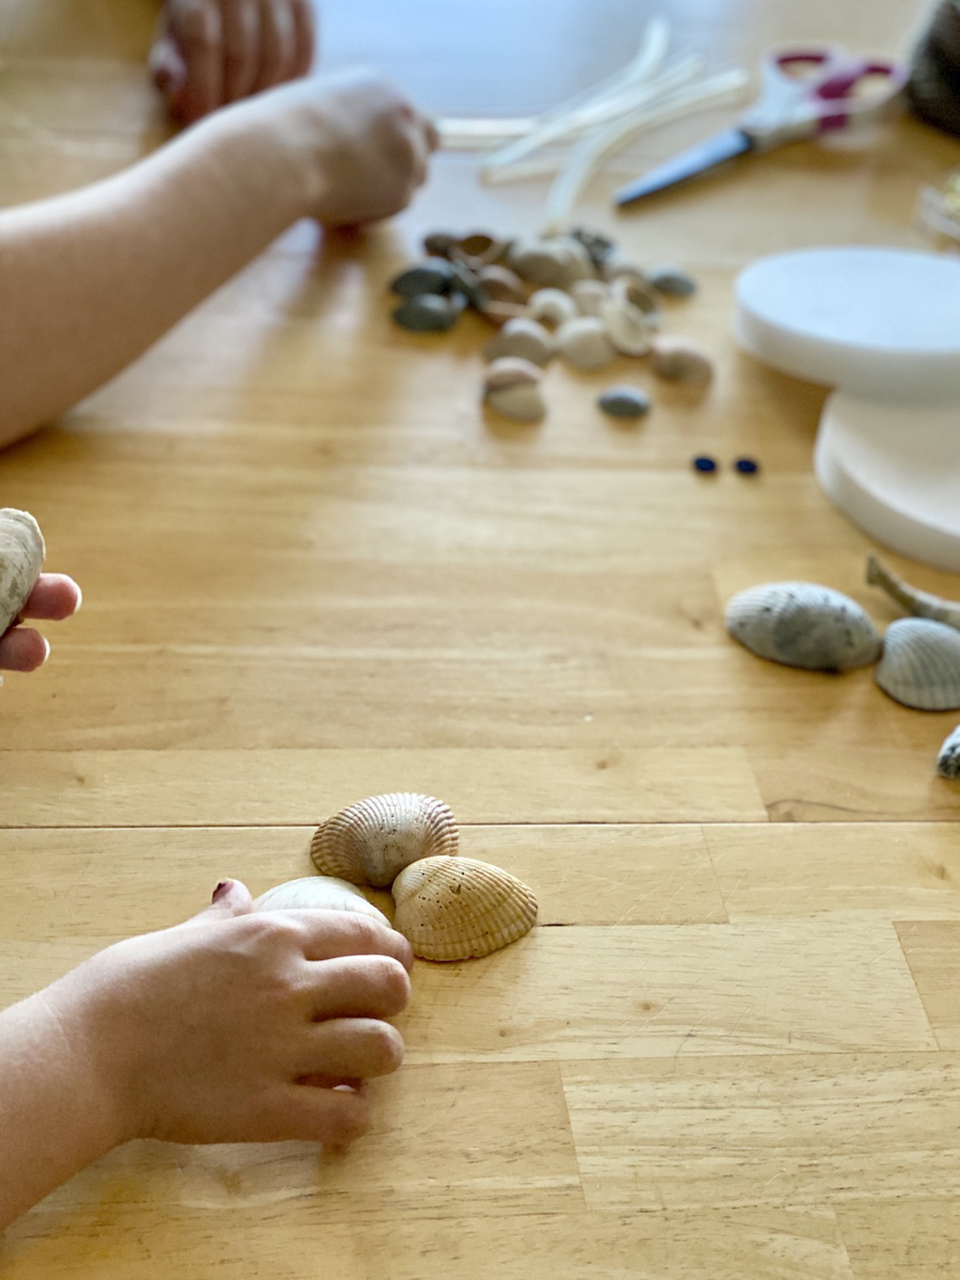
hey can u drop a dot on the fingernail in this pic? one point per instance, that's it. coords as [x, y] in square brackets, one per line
[46, 645]
[221, 891]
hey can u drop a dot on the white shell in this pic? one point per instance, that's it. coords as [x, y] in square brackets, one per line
[512, 386]
[627, 326]
[636, 293]
[318, 893]
[372, 840]
[585, 344]
[524, 338]
[456, 908]
[920, 666]
[680, 360]
[552, 306]
[948, 759]
[21, 559]
[549, 262]
[804, 625]
[589, 295]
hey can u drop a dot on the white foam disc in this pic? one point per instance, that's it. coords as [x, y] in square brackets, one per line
[895, 471]
[875, 322]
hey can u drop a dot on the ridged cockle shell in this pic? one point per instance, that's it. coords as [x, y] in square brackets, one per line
[457, 908]
[374, 839]
[318, 893]
[803, 625]
[21, 559]
[920, 666]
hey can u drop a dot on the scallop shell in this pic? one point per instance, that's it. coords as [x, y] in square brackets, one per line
[804, 625]
[627, 326]
[21, 559]
[512, 386]
[584, 343]
[318, 893]
[457, 908]
[524, 338]
[372, 840]
[680, 360]
[948, 759]
[920, 666]
[552, 306]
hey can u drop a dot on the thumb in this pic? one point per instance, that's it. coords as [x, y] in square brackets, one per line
[230, 898]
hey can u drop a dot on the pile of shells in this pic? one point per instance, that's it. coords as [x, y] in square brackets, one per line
[448, 907]
[803, 624]
[570, 297]
[21, 559]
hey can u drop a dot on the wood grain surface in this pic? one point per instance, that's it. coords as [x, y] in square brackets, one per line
[314, 569]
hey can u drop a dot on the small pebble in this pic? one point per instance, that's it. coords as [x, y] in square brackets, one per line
[597, 245]
[433, 275]
[747, 466]
[427, 313]
[439, 243]
[624, 402]
[672, 282]
[704, 463]
[680, 360]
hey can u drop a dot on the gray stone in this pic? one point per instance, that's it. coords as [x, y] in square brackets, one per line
[624, 402]
[433, 275]
[427, 313]
[672, 282]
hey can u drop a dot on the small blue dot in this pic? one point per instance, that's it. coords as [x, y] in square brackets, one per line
[747, 466]
[703, 463]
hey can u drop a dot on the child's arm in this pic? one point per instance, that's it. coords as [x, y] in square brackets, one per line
[91, 279]
[232, 1027]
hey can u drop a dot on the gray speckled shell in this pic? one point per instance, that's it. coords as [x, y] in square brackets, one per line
[920, 666]
[804, 625]
[374, 839]
[21, 559]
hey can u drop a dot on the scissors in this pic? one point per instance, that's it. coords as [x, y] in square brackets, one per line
[804, 93]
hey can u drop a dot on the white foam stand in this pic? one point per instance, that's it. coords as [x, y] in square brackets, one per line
[883, 327]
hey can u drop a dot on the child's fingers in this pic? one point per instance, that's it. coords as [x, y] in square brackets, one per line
[54, 598]
[335, 1117]
[230, 898]
[23, 649]
[358, 987]
[305, 36]
[351, 1049]
[198, 32]
[241, 48]
[277, 44]
[328, 934]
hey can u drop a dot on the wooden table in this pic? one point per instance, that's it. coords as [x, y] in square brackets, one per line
[314, 570]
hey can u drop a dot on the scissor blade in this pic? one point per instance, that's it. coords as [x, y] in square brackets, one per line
[706, 155]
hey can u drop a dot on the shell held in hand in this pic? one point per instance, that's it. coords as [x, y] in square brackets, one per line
[21, 559]
[374, 839]
[804, 625]
[920, 666]
[318, 893]
[458, 908]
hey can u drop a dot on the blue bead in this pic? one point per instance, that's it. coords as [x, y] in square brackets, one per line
[747, 466]
[703, 463]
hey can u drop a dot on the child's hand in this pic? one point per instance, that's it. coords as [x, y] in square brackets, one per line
[363, 146]
[54, 598]
[207, 53]
[238, 1026]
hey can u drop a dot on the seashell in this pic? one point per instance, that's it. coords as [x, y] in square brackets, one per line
[920, 666]
[478, 248]
[616, 268]
[439, 243]
[522, 337]
[427, 313]
[584, 343]
[372, 840]
[948, 760]
[557, 262]
[552, 306]
[434, 275]
[458, 908]
[624, 402]
[501, 284]
[589, 295]
[802, 624]
[468, 283]
[498, 313]
[672, 282]
[680, 360]
[635, 293]
[922, 603]
[628, 328]
[577, 263]
[599, 246]
[318, 893]
[21, 559]
[512, 386]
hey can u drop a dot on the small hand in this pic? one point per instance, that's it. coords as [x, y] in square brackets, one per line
[54, 598]
[207, 53]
